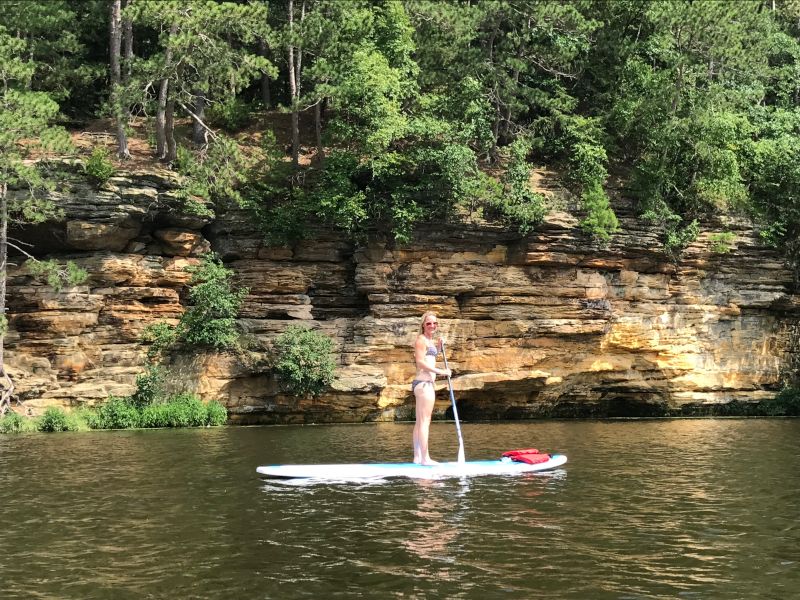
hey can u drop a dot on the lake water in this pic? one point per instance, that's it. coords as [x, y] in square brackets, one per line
[644, 509]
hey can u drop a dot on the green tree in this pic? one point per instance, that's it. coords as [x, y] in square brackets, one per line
[56, 48]
[356, 60]
[331, 33]
[774, 179]
[26, 128]
[303, 361]
[210, 319]
[525, 54]
[117, 101]
[206, 54]
[519, 204]
[671, 83]
[396, 157]
[214, 303]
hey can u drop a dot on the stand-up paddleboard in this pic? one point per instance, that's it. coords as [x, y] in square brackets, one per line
[513, 462]
[344, 472]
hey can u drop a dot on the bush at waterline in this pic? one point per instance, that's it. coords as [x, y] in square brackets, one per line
[183, 410]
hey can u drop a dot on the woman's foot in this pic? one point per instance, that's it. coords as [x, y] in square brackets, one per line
[429, 462]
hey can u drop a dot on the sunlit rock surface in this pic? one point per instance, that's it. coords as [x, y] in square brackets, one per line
[549, 324]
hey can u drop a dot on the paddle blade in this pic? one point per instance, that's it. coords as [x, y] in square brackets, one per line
[461, 458]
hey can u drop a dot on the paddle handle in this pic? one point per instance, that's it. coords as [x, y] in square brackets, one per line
[461, 456]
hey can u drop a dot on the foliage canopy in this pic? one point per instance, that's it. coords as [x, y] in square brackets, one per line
[426, 110]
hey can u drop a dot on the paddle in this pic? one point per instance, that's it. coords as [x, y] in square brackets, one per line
[461, 457]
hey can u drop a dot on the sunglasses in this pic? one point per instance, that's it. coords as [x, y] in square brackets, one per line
[432, 323]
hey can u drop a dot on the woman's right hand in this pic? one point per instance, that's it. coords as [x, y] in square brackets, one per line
[447, 373]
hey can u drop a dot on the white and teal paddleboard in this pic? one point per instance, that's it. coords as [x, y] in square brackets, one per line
[344, 472]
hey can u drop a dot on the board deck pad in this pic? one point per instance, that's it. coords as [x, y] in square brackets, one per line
[344, 472]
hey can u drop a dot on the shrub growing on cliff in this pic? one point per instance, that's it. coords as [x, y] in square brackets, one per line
[518, 205]
[99, 167]
[161, 336]
[210, 320]
[56, 274]
[600, 221]
[149, 387]
[215, 173]
[722, 242]
[303, 361]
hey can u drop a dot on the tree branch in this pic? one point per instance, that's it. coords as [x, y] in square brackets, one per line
[198, 120]
[21, 250]
[551, 70]
[6, 392]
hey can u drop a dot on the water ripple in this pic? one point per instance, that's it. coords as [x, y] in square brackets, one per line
[643, 510]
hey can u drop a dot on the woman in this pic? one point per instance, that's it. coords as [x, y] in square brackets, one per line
[425, 352]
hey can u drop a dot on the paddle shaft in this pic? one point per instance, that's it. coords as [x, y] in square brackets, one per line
[461, 455]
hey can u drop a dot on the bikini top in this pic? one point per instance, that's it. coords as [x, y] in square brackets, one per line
[431, 351]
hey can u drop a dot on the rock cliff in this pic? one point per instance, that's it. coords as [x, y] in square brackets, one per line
[548, 324]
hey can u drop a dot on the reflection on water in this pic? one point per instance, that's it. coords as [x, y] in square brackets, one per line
[438, 518]
[644, 509]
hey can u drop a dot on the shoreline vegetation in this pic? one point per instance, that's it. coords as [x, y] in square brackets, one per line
[188, 410]
[182, 410]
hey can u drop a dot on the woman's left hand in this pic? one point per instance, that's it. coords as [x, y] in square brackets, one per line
[442, 342]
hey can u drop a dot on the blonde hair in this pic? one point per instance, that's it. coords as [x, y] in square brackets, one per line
[427, 314]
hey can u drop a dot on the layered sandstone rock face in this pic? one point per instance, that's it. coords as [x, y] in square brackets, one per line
[549, 324]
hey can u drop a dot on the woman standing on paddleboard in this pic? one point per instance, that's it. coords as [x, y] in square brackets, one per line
[425, 353]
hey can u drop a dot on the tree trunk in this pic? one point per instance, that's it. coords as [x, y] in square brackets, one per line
[294, 93]
[506, 126]
[127, 41]
[318, 131]
[295, 133]
[120, 114]
[295, 69]
[163, 95]
[161, 119]
[199, 133]
[169, 132]
[6, 385]
[492, 153]
[676, 96]
[266, 95]
[3, 264]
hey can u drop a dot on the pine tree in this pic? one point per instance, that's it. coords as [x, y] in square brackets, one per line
[116, 33]
[26, 118]
[207, 53]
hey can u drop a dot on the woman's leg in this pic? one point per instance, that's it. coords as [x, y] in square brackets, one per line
[425, 396]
